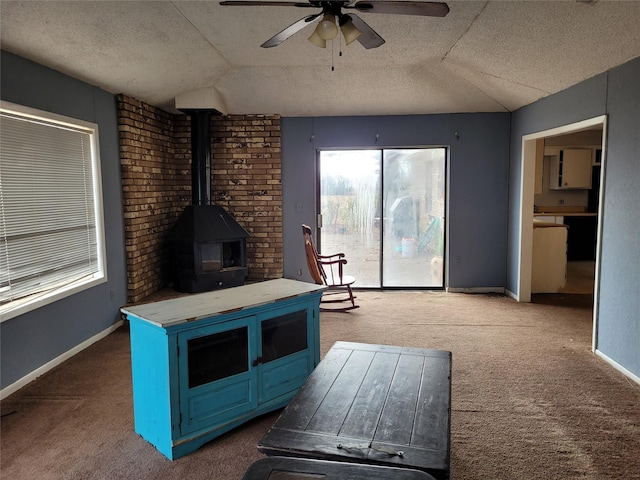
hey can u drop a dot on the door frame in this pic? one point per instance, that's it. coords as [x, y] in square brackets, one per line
[527, 185]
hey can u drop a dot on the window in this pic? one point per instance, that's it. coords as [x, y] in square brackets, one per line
[51, 228]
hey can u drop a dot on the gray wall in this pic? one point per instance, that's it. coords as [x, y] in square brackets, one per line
[484, 178]
[617, 94]
[619, 308]
[477, 182]
[31, 340]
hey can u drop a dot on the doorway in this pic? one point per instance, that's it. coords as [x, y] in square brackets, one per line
[385, 209]
[533, 154]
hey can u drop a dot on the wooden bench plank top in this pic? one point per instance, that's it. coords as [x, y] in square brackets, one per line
[377, 404]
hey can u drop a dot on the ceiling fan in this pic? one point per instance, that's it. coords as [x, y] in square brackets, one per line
[351, 25]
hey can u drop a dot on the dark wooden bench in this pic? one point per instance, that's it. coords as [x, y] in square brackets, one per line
[287, 468]
[371, 404]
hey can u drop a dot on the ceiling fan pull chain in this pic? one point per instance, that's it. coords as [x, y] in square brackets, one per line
[332, 62]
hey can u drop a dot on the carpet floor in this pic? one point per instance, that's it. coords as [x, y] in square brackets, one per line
[529, 398]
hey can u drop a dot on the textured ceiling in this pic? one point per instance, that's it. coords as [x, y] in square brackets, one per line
[484, 56]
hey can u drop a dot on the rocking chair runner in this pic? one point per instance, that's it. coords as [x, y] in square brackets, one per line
[333, 277]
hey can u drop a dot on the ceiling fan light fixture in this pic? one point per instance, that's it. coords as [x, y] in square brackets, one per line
[317, 40]
[350, 32]
[327, 28]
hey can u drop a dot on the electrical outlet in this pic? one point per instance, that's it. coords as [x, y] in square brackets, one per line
[561, 201]
[299, 272]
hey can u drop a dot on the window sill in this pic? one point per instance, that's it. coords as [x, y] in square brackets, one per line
[22, 306]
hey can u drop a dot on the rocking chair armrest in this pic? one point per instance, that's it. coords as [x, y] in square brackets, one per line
[339, 255]
[340, 262]
[337, 261]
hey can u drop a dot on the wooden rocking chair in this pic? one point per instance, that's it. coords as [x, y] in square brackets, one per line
[333, 277]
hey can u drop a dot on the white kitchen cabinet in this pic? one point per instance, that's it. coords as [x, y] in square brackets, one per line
[549, 266]
[571, 168]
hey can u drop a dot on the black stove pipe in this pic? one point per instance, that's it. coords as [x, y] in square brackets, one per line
[200, 156]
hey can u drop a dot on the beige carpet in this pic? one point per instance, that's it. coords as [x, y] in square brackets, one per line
[530, 400]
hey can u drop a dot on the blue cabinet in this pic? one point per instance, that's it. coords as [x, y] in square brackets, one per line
[206, 363]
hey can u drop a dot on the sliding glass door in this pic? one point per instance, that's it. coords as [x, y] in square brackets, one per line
[350, 208]
[385, 210]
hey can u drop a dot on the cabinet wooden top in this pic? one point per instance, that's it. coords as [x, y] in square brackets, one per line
[219, 302]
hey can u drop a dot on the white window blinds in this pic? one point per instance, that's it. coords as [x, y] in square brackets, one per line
[49, 237]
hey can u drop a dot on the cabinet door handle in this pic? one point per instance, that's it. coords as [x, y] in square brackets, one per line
[257, 361]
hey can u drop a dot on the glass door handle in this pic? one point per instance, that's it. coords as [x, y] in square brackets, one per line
[256, 362]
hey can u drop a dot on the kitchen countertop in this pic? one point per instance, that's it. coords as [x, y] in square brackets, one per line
[562, 211]
[565, 214]
[543, 224]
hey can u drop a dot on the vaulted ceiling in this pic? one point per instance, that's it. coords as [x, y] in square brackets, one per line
[484, 56]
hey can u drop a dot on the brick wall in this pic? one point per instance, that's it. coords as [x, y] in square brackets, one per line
[247, 181]
[155, 157]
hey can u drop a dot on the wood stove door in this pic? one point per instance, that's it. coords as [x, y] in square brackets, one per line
[216, 375]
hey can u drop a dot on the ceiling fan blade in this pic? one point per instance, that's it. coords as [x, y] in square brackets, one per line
[292, 29]
[369, 37]
[429, 9]
[258, 3]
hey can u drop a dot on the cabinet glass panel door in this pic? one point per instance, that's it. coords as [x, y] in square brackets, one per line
[217, 380]
[217, 356]
[284, 335]
[287, 352]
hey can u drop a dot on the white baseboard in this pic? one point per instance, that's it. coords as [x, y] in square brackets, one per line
[476, 290]
[618, 367]
[14, 387]
[510, 294]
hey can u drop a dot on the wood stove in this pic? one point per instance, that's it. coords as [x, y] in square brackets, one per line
[208, 247]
